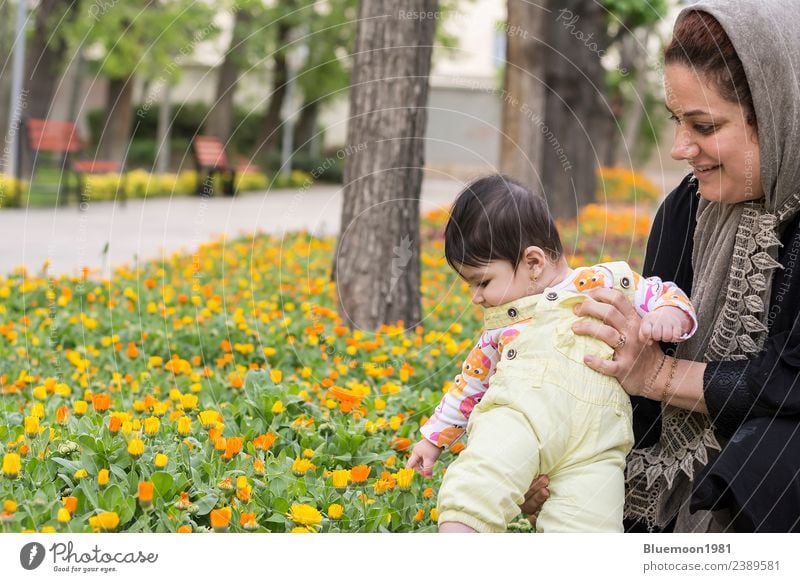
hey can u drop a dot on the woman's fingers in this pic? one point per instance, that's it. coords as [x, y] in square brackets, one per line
[605, 312]
[597, 330]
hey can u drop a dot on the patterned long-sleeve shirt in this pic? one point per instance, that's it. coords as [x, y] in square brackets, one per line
[448, 422]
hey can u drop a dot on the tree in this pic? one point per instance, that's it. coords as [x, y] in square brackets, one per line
[221, 114]
[377, 264]
[558, 51]
[137, 39]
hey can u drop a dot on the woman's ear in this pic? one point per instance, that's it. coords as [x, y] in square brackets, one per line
[536, 260]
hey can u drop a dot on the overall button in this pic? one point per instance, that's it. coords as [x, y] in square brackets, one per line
[625, 282]
[552, 296]
[512, 312]
[511, 354]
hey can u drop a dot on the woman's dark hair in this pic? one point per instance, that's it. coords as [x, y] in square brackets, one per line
[495, 219]
[700, 42]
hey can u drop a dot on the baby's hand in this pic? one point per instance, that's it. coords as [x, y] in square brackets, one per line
[423, 456]
[666, 324]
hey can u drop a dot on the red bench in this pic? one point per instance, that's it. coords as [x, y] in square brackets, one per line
[61, 137]
[210, 158]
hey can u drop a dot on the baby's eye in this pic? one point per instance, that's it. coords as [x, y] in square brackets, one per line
[483, 284]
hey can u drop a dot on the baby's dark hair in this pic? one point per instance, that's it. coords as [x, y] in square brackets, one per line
[496, 218]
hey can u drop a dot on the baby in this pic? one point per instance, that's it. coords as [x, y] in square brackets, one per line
[524, 396]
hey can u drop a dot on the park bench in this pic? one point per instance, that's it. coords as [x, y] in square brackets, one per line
[210, 158]
[62, 138]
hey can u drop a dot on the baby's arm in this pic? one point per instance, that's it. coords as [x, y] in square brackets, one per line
[667, 313]
[449, 420]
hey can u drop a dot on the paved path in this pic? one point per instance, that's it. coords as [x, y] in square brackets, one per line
[157, 227]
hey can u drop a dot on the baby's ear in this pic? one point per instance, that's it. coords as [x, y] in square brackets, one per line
[535, 258]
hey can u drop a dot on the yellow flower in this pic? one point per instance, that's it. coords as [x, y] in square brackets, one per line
[80, 407]
[102, 477]
[404, 478]
[308, 453]
[306, 515]
[81, 474]
[276, 376]
[209, 418]
[12, 464]
[184, 425]
[278, 407]
[435, 515]
[340, 478]
[151, 425]
[136, 448]
[160, 460]
[31, 425]
[300, 466]
[37, 410]
[335, 511]
[106, 521]
[63, 515]
[189, 401]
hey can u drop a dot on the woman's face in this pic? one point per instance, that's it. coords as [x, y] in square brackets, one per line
[713, 136]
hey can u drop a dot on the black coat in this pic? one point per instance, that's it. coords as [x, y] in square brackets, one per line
[753, 403]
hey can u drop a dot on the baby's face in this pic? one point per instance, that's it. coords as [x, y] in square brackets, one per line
[496, 283]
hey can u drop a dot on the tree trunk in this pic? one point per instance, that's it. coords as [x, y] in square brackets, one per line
[46, 50]
[377, 264]
[6, 44]
[305, 132]
[576, 115]
[221, 116]
[271, 131]
[525, 92]
[116, 131]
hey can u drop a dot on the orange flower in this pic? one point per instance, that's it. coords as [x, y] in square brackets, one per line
[359, 473]
[457, 448]
[132, 351]
[145, 493]
[233, 446]
[221, 518]
[62, 414]
[185, 529]
[265, 441]
[101, 402]
[70, 502]
[114, 424]
[248, 521]
[400, 443]
[184, 502]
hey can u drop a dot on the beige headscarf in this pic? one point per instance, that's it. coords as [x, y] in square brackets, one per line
[735, 251]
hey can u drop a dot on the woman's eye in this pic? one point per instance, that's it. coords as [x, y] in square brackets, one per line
[704, 129]
[674, 118]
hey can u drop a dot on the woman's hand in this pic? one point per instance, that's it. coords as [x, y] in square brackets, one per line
[535, 497]
[635, 362]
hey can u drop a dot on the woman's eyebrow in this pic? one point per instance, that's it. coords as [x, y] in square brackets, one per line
[692, 113]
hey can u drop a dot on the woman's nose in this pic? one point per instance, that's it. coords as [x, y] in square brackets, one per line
[683, 146]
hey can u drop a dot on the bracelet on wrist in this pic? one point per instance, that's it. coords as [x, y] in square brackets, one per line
[665, 395]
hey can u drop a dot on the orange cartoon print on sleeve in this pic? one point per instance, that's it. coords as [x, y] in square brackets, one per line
[477, 365]
[589, 279]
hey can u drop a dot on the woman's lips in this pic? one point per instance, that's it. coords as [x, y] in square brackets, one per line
[706, 171]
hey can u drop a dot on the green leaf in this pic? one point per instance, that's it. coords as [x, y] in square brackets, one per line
[163, 483]
[207, 503]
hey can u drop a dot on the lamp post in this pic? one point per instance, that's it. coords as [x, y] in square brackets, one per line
[16, 102]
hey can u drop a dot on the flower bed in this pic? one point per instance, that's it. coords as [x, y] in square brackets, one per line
[221, 391]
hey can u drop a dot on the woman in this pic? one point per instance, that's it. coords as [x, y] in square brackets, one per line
[718, 438]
